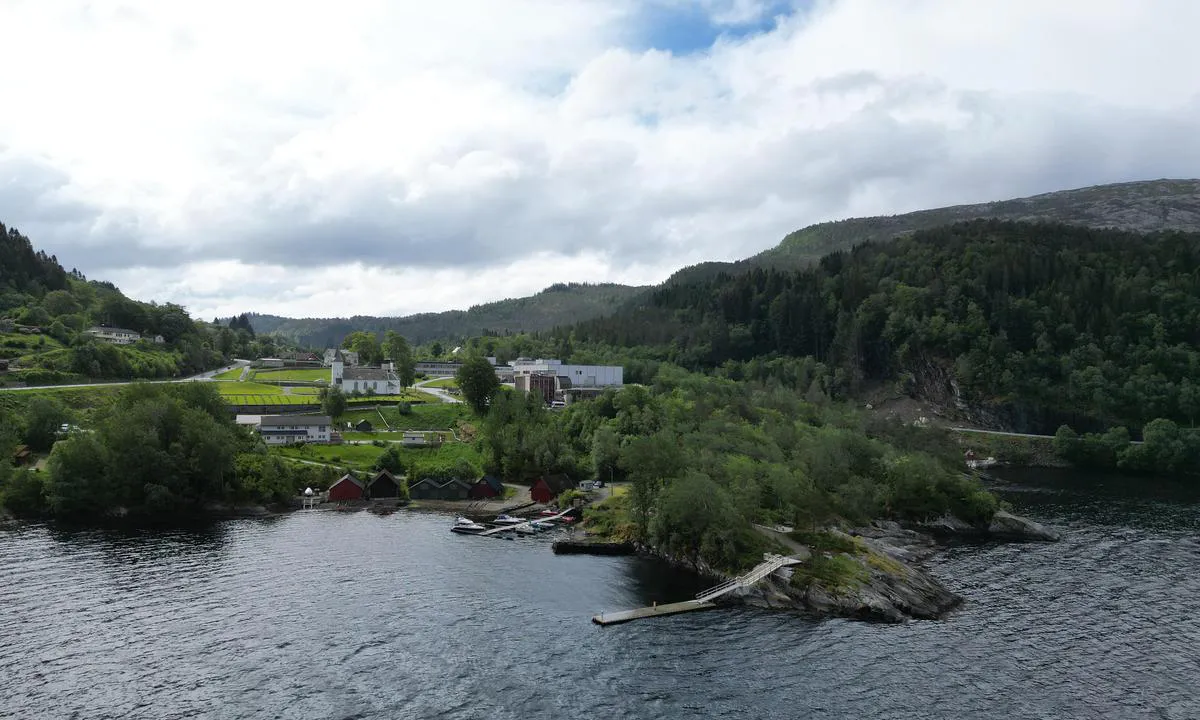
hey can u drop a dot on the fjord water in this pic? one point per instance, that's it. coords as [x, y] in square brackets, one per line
[334, 615]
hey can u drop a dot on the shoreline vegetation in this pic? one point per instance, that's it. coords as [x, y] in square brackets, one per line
[739, 432]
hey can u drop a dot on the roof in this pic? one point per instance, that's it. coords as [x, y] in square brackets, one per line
[367, 374]
[101, 328]
[441, 483]
[493, 481]
[558, 483]
[298, 420]
[338, 356]
[382, 474]
[349, 477]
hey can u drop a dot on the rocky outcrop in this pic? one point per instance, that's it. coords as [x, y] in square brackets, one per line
[877, 586]
[1006, 526]
[1003, 526]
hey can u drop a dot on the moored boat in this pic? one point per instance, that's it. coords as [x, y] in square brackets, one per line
[467, 526]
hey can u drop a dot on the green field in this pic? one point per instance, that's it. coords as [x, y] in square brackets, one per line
[292, 374]
[231, 374]
[362, 457]
[444, 383]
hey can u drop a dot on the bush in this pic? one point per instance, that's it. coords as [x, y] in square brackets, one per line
[404, 408]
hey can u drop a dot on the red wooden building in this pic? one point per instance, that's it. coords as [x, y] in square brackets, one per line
[346, 488]
[549, 487]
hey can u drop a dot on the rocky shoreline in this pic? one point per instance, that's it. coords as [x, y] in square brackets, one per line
[880, 577]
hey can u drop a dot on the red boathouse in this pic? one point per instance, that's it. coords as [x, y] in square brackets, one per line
[346, 488]
[549, 487]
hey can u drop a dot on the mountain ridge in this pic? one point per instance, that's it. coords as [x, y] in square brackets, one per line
[1138, 206]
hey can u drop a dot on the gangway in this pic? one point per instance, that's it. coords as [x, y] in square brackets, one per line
[703, 600]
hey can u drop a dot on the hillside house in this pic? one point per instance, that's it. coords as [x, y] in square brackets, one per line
[549, 487]
[433, 489]
[363, 425]
[418, 438]
[347, 488]
[287, 429]
[114, 336]
[22, 455]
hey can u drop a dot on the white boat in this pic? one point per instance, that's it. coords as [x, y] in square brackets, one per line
[524, 529]
[507, 520]
[467, 526]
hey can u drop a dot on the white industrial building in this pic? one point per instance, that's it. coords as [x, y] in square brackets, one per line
[287, 429]
[577, 376]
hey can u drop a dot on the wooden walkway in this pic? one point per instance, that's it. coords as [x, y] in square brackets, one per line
[653, 611]
[703, 600]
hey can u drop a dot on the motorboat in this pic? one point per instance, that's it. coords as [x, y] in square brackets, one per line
[524, 529]
[467, 526]
[507, 520]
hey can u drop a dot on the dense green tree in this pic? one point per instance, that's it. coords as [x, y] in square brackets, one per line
[478, 382]
[401, 355]
[366, 344]
[44, 417]
[333, 402]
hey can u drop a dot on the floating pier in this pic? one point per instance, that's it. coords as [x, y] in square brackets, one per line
[616, 618]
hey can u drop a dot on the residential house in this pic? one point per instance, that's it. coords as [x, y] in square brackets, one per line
[114, 336]
[22, 455]
[420, 438]
[488, 486]
[348, 357]
[345, 489]
[287, 429]
[383, 485]
[433, 489]
[549, 487]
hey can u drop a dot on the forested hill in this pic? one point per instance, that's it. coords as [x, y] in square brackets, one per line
[1145, 206]
[45, 312]
[559, 304]
[1047, 322]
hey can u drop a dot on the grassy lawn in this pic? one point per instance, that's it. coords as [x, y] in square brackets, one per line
[82, 402]
[393, 436]
[292, 374]
[362, 457]
[232, 374]
[247, 388]
[442, 416]
[444, 383]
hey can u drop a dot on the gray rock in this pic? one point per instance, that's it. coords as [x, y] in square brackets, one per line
[1006, 526]
[950, 525]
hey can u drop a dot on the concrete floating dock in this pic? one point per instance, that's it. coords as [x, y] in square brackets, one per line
[624, 616]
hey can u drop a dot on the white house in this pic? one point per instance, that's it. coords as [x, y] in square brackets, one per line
[577, 376]
[349, 357]
[376, 381]
[115, 336]
[286, 429]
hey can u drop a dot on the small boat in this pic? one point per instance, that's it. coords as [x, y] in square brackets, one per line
[540, 525]
[507, 520]
[524, 529]
[467, 526]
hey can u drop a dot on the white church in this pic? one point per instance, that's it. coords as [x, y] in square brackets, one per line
[375, 381]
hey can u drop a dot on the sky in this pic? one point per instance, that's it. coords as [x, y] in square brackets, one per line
[386, 157]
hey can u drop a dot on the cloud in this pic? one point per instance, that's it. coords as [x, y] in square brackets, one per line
[386, 157]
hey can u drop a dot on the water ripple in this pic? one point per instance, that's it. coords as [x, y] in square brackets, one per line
[327, 615]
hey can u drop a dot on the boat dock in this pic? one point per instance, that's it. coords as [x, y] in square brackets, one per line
[653, 611]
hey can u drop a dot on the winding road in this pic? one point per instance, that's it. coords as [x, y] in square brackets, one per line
[202, 377]
[437, 392]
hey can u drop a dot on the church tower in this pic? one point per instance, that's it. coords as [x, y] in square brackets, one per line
[339, 362]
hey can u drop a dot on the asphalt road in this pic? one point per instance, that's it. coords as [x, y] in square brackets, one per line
[202, 377]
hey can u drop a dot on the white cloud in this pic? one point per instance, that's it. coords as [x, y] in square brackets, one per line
[232, 157]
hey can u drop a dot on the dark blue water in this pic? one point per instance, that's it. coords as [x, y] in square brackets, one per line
[333, 615]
